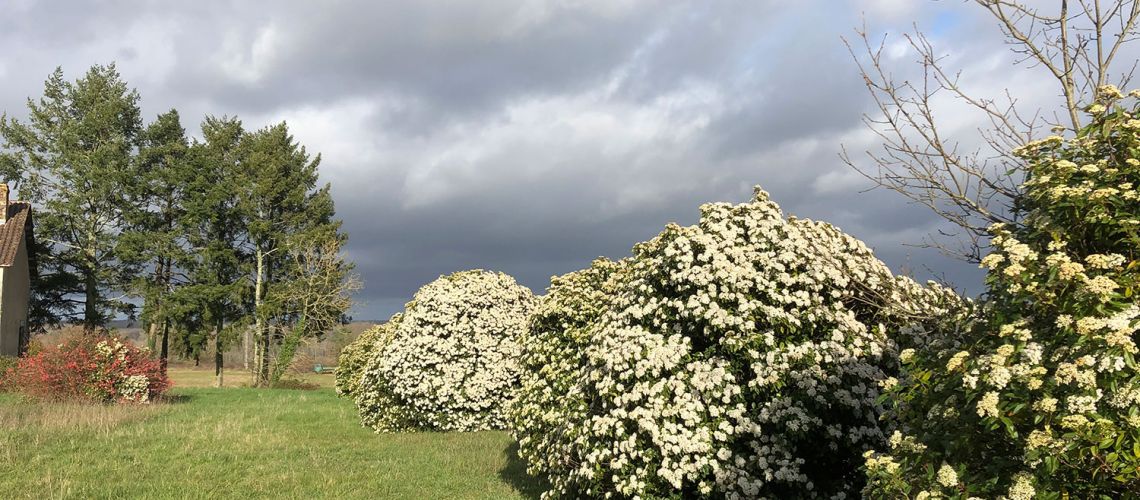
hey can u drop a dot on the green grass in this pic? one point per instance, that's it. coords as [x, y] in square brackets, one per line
[242, 443]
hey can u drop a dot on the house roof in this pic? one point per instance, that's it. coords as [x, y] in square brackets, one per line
[12, 232]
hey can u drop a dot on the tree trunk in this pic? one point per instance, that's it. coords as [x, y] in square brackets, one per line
[155, 328]
[260, 335]
[161, 283]
[90, 285]
[266, 343]
[263, 335]
[91, 296]
[165, 353]
[218, 359]
[246, 341]
[152, 336]
[256, 368]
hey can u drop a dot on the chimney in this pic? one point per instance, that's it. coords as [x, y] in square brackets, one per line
[3, 203]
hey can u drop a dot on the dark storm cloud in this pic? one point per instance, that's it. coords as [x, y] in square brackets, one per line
[453, 58]
[528, 138]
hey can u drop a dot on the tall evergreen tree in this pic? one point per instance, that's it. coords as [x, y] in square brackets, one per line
[72, 159]
[213, 300]
[156, 238]
[280, 200]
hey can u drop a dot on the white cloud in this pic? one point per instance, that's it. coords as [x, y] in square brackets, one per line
[249, 61]
[609, 144]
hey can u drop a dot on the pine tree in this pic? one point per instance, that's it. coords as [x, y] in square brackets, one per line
[211, 302]
[155, 239]
[73, 159]
[280, 201]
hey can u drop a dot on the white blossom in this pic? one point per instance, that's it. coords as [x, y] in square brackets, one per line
[451, 361]
[720, 358]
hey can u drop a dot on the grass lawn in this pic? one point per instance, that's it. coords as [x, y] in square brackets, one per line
[241, 443]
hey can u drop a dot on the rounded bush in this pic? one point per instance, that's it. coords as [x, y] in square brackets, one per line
[452, 361]
[740, 357]
[553, 363]
[96, 368]
[353, 358]
[1041, 399]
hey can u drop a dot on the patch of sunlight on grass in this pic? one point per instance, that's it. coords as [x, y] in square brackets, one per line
[204, 377]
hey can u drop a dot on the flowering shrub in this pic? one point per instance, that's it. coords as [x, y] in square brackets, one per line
[99, 368]
[553, 362]
[6, 363]
[741, 357]
[1042, 399]
[354, 356]
[451, 362]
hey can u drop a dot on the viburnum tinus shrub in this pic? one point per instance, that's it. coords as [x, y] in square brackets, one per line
[553, 363]
[741, 357]
[1042, 400]
[452, 360]
[97, 368]
[351, 362]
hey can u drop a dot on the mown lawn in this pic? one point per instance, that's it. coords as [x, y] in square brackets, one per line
[241, 443]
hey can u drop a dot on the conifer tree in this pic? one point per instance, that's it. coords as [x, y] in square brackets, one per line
[72, 158]
[156, 239]
[211, 302]
[279, 201]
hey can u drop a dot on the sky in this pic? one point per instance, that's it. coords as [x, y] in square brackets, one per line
[532, 137]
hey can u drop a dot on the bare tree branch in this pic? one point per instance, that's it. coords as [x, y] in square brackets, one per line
[1077, 47]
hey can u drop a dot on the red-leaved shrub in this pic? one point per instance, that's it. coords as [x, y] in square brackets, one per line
[99, 368]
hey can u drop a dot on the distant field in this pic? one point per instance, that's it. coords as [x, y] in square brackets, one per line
[204, 377]
[242, 443]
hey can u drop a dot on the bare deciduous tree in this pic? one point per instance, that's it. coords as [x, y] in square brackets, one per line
[318, 292]
[1078, 47]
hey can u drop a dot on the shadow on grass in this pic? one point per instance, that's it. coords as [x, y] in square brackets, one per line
[514, 474]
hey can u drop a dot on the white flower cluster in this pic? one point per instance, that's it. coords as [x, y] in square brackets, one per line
[554, 360]
[1041, 396]
[128, 388]
[135, 388]
[451, 361]
[353, 358]
[740, 358]
[1025, 372]
[112, 350]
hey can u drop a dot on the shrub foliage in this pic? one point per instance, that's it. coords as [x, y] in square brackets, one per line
[353, 358]
[554, 360]
[96, 368]
[741, 357]
[452, 360]
[1042, 399]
